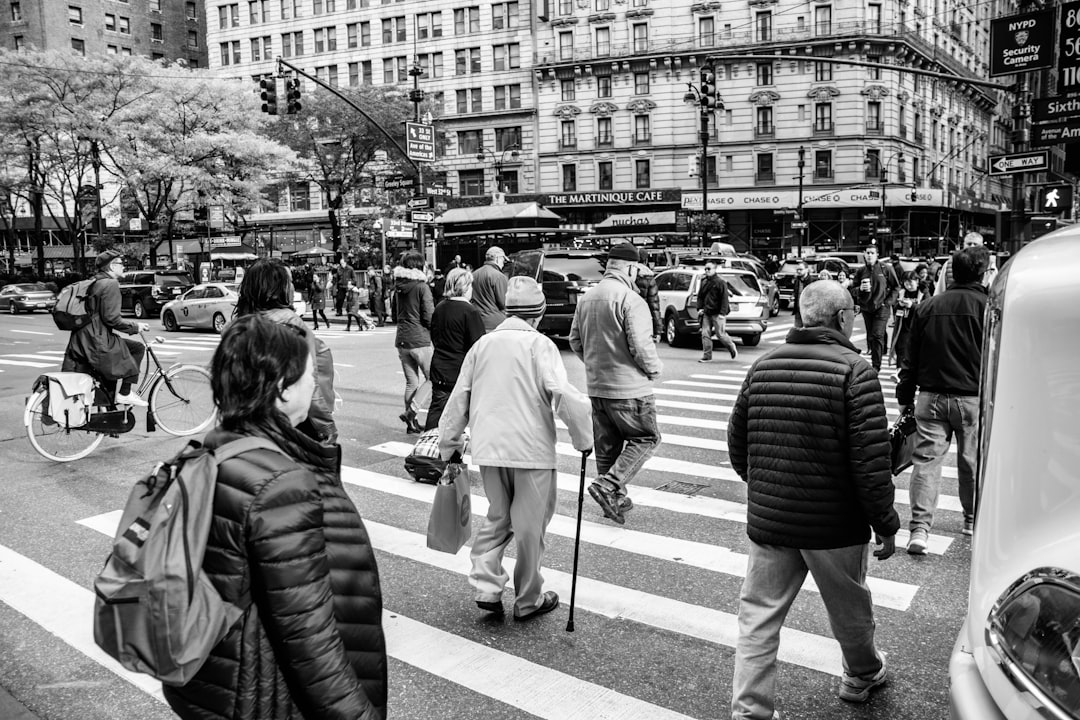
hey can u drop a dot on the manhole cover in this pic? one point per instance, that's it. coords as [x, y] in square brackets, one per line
[682, 488]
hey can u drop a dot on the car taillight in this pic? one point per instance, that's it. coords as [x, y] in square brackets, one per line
[761, 301]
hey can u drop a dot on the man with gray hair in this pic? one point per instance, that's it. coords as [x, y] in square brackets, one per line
[945, 277]
[489, 288]
[809, 436]
[612, 334]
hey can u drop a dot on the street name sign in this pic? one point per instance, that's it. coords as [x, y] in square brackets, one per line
[420, 203]
[1055, 134]
[420, 141]
[438, 191]
[1019, 43]
[1069, 49]
[418, 216]
[799, 225]
[1035, 161]
[1055, 110]
[399, 182]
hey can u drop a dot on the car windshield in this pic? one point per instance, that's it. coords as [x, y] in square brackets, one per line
[32, 287]
[742, 284]
[788, 267]
[179, 279]
[573, 269]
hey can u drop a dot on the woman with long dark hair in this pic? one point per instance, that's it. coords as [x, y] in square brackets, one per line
[415, 306]
[287, 544]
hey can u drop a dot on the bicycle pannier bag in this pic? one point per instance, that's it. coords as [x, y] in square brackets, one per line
[156, 611]
[73, 309]
[71, 398]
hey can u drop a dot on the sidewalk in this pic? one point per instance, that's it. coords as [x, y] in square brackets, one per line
[12, 709]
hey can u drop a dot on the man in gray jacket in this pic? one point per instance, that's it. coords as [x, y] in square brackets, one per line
[612, 334]
[489, 288]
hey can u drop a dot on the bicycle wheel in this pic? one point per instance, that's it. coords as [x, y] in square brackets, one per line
[50, 438]
[182, 401]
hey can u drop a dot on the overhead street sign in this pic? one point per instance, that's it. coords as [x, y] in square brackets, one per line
[1052, 110]
[799, 225]
[1069, 49]
[420, 203]
[1035, 161]
[418, 216]
[1055, 134]
[1019, 43]
[399, 182]
[420, 141]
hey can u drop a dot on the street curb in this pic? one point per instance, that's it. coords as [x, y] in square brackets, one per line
[12, 709]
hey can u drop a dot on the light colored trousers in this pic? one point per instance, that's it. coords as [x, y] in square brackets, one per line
[774, 575]
[939, 418]
[521, 502]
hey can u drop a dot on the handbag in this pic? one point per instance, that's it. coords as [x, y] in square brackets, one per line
[902, 438]
[450, 524]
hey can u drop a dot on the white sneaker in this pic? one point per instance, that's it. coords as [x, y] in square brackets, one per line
[131, 399]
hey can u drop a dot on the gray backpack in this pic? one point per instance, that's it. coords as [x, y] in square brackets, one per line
[156, 611]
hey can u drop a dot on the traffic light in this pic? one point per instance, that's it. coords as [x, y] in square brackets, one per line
[709, 98]
[269, 95]
[292, 96]
[914, 196]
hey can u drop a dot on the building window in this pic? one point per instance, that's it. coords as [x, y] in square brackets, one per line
[192, 39]
[470, 182]
[568, 135]
[319, 41]
[603, 86]
[467, 61]
[569, 178]
[641, 37]
[642, 134]
[74, 17]
[467, 20]
[765, 172]
[763, 27]
[190, 11]
[507, 57]
[470, 100]
[507, 97]
[469, 142]
[352, 35]
[157, 34]
[641, 83]
[764, 127]
[393, 30]
[566, 90]
[16, 12]
[299, 196]
[642, 178]
[873, 73]
[254, 12]
[428, 25]
[605, 176]
[110, 22]
[706, 32]
[603, 42]
[78, 46]
[566, 45]
[395, 66]
[111, 50]
[507, 181]
[873, 16]
[823, 20]
[822, 72]
[566, 7]
[431, 65]
[354, 74]
[504, 15]
[823, 117]
[823, 165]
[604, 135]
[124, 25]
[873, 164]
[331, 76]
[508, 138]
[873, 117]
[764, 73]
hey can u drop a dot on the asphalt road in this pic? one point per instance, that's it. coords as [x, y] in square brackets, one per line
[657, 599]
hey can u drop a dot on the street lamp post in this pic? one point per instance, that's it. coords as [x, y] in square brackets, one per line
[708, 100]
[799, 213]
[498, 162]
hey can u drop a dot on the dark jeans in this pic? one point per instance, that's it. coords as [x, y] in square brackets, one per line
[138, 351]
[876, 322]
[439, 395]
[339, 299]
[625, 435]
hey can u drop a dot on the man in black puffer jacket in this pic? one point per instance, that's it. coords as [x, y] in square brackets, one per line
[809, 436]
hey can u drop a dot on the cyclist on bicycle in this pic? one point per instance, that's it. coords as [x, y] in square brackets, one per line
[96, 347]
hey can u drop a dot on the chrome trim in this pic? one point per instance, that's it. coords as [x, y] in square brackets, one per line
[1041, 703]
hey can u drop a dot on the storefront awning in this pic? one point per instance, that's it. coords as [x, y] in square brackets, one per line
[234, 252]
[514, 231]
[496, 213]
[643, 223]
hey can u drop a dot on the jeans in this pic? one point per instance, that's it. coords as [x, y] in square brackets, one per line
[774, 575]
[138, 352]
[876, 321]
[439, 395]
[625, 435]
[938, 417]
[521, 502]
[413, 362]
[709, 323]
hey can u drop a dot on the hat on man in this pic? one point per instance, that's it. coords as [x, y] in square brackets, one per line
[624, 251]
[105, 258]
[494, 253]
[524, 297]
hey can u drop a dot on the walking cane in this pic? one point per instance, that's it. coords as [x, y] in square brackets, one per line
[577, 544]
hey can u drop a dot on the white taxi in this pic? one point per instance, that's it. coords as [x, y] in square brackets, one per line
[208, 306]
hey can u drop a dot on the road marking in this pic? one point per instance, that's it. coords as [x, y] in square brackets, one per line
[32, 332]
[694, 394]
[41, 356]
[697, 505]
[26, 363]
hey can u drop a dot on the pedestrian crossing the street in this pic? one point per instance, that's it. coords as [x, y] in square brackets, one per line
[661, 589]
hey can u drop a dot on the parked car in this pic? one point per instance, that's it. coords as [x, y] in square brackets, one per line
[203, 306]
[678, 290]
[743, 262]
[26, 297]
[854, 260]
[144, 292]
[565, 275]
[1017, 656]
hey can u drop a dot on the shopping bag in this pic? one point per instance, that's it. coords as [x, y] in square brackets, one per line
[902, 437]
[450, 524]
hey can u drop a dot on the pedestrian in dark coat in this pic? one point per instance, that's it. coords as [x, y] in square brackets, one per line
[798, 284]
[287, 544]
[713, 308]
[809, 436]
[646, 288]
[317, 300]
[415, 306]
[489, 288]
[343, 275]
[96, 347]
[875, 287]
[455, 327]
[376, 299]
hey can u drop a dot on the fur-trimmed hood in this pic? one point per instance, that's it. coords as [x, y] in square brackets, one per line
[404, 273]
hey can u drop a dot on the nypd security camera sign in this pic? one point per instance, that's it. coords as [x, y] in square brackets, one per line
[1019, 43]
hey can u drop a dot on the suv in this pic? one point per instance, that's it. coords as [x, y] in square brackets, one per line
[565, 275]
[785, 279]
[145, 292]
[743, 262]
[678, 290]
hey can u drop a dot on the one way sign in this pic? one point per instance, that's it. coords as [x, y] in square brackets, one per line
[1055, 200]
[1035, 161]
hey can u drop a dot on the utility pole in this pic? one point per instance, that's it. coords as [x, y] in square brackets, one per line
[799, 212]
[416, 96]
[708, 101]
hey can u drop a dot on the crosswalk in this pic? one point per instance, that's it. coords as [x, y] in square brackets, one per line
[666, 582]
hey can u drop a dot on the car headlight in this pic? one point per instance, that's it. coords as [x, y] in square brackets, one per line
[1034, 630]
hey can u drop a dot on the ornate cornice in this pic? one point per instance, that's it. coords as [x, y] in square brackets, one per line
[563, 21]
[764, 97]
[640, 12]
[761, 3]
[875, 92]
[640, 106]
[706, 7]
[954, 120]
[567, 112]
[604, 109]
[602, 17]
[937, 111]
[903, 97]
[823, 93]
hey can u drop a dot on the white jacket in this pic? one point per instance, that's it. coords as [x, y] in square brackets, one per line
[512, 384]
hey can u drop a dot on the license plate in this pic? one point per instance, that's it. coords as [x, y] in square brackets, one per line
[41, 305]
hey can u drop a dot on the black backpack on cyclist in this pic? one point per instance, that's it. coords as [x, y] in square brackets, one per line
[74, 307]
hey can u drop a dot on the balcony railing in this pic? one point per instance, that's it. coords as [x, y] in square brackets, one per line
[824, 128]
[872, 175]
[823, 175]
[764, 131]
[935, 183]
[903, 130]
[919, 136]
[568, 144]
[605, 141]
[874, 127]
[765, 178]
[643, 139]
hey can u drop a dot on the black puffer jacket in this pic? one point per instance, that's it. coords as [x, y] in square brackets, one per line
[311, 643]
[810, 437]
[414, 308]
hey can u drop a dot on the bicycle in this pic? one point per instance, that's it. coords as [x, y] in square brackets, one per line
[180, 402]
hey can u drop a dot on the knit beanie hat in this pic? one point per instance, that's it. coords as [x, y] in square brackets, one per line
[624, 251]
[103, 259]
[524, 298]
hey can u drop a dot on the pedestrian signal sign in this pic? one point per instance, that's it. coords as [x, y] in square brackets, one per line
[1055, 200]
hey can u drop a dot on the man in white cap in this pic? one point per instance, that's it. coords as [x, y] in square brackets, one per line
[511, 385]
[489, 288]
[612, 334]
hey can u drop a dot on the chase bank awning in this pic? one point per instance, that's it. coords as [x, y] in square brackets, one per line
[644, 223]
